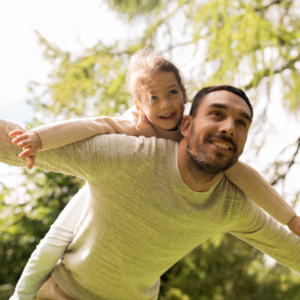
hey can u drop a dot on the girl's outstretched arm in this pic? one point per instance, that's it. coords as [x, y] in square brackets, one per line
[55, 135]
[58, 134]
[51, 249]
[294, 225]
[261, 192]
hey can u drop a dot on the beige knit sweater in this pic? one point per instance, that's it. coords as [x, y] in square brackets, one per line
[141, 217]
[59, 134]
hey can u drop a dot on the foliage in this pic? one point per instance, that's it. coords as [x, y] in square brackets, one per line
[91, 84]
[26, 215]
[244, 41]
[227, 268]
[133, 8]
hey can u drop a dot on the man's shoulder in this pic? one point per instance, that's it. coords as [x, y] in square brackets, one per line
[240, 211]
[124, 145]
[231, 191]
[133, 141]
[118, 152]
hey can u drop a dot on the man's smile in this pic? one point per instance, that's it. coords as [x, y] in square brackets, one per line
[220, 147]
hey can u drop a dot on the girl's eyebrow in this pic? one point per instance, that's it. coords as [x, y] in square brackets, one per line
[168, 87]
[173, 85]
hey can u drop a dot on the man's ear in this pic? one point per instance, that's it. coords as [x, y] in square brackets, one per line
[186, 125]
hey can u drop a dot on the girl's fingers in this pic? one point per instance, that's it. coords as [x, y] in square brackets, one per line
[25, 143]
[27, 152]
[20, 139]
[15, 132]
[30, 162]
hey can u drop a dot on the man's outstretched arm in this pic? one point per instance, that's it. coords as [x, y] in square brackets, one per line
[268, 236]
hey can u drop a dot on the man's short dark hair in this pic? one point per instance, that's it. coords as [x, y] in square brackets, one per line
[217, 87]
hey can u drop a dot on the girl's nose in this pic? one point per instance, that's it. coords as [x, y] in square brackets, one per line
[164, 103]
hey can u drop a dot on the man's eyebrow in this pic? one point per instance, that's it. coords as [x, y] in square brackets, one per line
[223, 106]
[218, 105]
[246, 116]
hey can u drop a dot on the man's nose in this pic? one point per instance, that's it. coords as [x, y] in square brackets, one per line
[228, 127]
[165, 103]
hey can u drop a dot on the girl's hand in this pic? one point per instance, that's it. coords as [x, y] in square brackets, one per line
[294, 225]
[30, 142]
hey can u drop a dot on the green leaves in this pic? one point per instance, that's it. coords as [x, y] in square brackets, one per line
[134, 8]
[91, 84]
[227, 268]
[27, 214]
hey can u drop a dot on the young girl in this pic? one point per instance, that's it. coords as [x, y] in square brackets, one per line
[159, 97]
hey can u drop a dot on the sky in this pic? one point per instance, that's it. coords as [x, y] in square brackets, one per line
[71, 24]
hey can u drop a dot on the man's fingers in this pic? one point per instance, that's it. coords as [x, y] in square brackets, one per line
[15, 132]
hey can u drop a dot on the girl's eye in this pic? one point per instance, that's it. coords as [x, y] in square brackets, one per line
[173, 92]
[153, 98]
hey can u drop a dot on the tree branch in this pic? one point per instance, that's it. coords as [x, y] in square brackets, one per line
[266, 72]
[290, 163]
[267, 6]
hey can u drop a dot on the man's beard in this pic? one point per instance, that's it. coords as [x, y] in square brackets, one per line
[200, 163]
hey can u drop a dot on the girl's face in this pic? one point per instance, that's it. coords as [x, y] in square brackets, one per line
[164, 104]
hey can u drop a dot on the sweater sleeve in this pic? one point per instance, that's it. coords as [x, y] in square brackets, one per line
[50, 249]
[69, 161]
[91, 159]
[55, 135]
[264, 233]
[260, 191]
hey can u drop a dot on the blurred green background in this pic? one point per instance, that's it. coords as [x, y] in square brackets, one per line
[252, 44]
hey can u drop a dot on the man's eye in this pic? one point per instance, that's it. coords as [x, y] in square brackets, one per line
[241, 122]
[217, 114]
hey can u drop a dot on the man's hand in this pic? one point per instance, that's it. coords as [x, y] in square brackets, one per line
[30, 142]
[294, 225]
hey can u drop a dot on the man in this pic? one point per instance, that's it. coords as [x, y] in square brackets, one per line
[151, 201]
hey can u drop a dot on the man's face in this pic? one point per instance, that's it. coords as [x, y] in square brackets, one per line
[218, 132]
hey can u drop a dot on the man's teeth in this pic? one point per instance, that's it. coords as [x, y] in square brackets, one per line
[221, 145]
[167, 116]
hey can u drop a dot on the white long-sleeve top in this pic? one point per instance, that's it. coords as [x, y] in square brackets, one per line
[50, 249]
